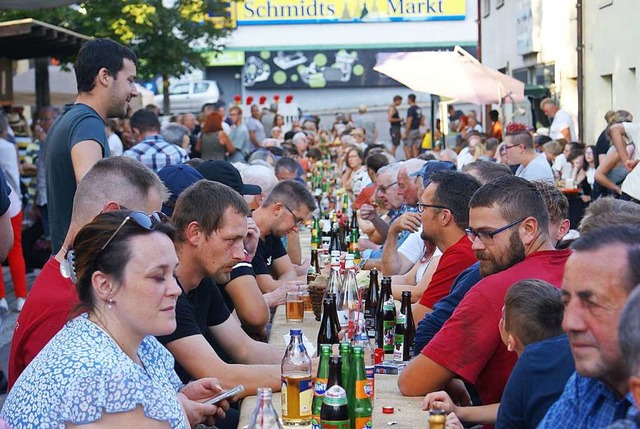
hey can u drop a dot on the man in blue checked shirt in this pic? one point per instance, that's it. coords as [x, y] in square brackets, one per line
[598, 278]
[152, 150]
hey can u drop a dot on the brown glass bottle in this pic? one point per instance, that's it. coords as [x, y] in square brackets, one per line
[386, 317]
[328, 333]
[405, 331]
[371, 304]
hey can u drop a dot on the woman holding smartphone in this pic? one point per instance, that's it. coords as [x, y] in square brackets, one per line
[105, 367]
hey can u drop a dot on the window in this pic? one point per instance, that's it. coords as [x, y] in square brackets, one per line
[179, 89]
[499, 4]
[522, 75]
[200, 87]
[486, 7]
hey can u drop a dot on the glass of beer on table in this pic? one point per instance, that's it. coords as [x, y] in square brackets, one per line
[295, 306]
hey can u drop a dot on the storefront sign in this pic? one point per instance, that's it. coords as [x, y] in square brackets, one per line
[274, 12]
[335, 68]
[225, 58]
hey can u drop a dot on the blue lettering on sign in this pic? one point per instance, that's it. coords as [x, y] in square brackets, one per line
[414, 7]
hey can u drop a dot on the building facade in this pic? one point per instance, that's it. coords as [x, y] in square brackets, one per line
[322, 52]
[535, 42]
[611, 59]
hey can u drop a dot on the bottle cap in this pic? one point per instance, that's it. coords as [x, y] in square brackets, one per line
[387, 410]
[293, 332]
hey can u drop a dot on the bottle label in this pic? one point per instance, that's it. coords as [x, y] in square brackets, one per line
[320, 386]
[363, 422]
[370, 321]
[401, 319]
[341, 424]
[343, 317]
[388, 330]
[303, 388]
[389, 305]
[362, 389]
[369, 388]
[315, 422]
[399, 347]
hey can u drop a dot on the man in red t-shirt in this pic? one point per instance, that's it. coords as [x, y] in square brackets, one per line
[444, 209]
[112, 184]
[509, 226]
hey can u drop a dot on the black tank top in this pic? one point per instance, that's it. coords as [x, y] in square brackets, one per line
[396, 115]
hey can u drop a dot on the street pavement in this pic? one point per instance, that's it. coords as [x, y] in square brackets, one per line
[6, 332]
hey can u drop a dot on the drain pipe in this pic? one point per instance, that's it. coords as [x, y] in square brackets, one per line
[580, 48]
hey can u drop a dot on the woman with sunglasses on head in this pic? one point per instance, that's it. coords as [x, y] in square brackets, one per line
[105, 367]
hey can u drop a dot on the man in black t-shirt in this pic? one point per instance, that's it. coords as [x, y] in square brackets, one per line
[412, 138]
[211, 237]
[270, 272]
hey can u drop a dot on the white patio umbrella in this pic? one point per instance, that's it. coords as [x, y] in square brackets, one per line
[453, 74]
[62, 89]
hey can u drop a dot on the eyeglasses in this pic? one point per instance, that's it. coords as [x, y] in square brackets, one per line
[142, 219]
[383, 188]
[506, 146]
[299, 221]
[487, 236]
[421, 207]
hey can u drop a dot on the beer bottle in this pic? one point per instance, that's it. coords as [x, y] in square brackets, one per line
[437, 419]
[405, 331]
[345, 357]
[354, 223]
[354, 249]
[348, 306]
[371, 304]
[297, 384]
[386, 317]
[328, 333]
[315, 261]
[320, 385]
[334, 244]
[345, 205]
[335, 279]
[361, 339]
[334, 413]
[264, 415]
[315, 234]
[326, 233]
[362, 408]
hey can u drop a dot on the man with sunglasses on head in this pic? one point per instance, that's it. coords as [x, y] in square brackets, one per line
[509, 231]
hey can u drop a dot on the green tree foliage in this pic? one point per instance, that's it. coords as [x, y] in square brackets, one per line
[168, 40]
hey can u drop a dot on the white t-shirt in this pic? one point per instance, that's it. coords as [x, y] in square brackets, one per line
[562, 166]
[562, 120]
[115, 145]
[413, 247]
[9, 166]
[537, 169]
[464, 158]
[631, 185]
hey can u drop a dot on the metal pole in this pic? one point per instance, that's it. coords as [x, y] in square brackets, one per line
[580, 48]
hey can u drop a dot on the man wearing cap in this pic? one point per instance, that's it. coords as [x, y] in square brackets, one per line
[177, 178]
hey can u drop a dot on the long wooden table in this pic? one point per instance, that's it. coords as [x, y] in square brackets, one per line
[408, 410]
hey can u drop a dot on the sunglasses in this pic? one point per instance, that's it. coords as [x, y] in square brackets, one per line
[142, 219]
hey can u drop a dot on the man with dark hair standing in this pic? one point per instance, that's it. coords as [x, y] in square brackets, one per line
[151, 149]
[105, 73]
[395, 124]
[509, 231]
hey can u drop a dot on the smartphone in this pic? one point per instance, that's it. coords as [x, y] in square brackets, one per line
[225, 395]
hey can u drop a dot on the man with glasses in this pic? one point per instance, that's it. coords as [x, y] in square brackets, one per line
[509, 231]
[286, 209]
[519, 148]
[445, 214]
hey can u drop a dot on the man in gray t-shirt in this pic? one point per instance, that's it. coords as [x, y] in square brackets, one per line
[105, 74]
[520, 150]
[256, 129]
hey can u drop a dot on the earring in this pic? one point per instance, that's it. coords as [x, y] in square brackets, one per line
[110, 303]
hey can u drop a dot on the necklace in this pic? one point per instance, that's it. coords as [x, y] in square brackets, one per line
[100, 324]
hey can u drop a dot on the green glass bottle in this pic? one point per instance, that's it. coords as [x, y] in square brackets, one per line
[315, 234]
[347, 375]
[320, 385]
[361, 417]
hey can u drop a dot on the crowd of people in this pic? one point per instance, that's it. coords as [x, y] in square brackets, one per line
[173, 243]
